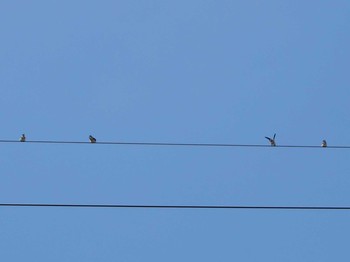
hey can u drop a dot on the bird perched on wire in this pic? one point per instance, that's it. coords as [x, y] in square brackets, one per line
[23, 138]
[272, 140]
[324, 143]
[92, 139]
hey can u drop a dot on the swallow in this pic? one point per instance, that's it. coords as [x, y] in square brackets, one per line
[272, 140]
[324, 143]
[92, 139]
[23, 138]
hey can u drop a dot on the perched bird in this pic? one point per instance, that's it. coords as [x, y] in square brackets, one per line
[92, 139]
[324, 143]
[23, 138]
[272, 140]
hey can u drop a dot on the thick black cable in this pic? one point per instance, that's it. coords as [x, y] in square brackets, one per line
[171, 144]
[177, 206]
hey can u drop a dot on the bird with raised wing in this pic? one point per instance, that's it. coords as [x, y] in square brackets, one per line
[272, 140]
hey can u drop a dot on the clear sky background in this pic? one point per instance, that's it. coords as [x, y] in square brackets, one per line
[187, 71]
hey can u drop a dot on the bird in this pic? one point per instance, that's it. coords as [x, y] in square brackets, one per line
[23, 138]
[324, 143]
[92, 139]
[272, 140]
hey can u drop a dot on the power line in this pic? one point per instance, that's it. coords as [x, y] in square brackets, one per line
[170, 144]
[177, 206]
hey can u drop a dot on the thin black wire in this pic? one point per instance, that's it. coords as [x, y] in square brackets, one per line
[171, 144]
[179, 206]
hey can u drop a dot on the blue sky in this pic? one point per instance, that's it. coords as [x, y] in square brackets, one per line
[174, 71]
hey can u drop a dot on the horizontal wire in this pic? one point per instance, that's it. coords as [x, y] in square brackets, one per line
[178, 206]
[170, 144]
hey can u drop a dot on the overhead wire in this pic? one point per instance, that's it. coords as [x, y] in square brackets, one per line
[171, 144]
[173, 206]
[176, 206]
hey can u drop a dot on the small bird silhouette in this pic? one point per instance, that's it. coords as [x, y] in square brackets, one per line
[324, 143]
[92, 139]
[23, 138]
[272, 140]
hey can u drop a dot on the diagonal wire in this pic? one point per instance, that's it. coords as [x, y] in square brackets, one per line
[171, 144]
